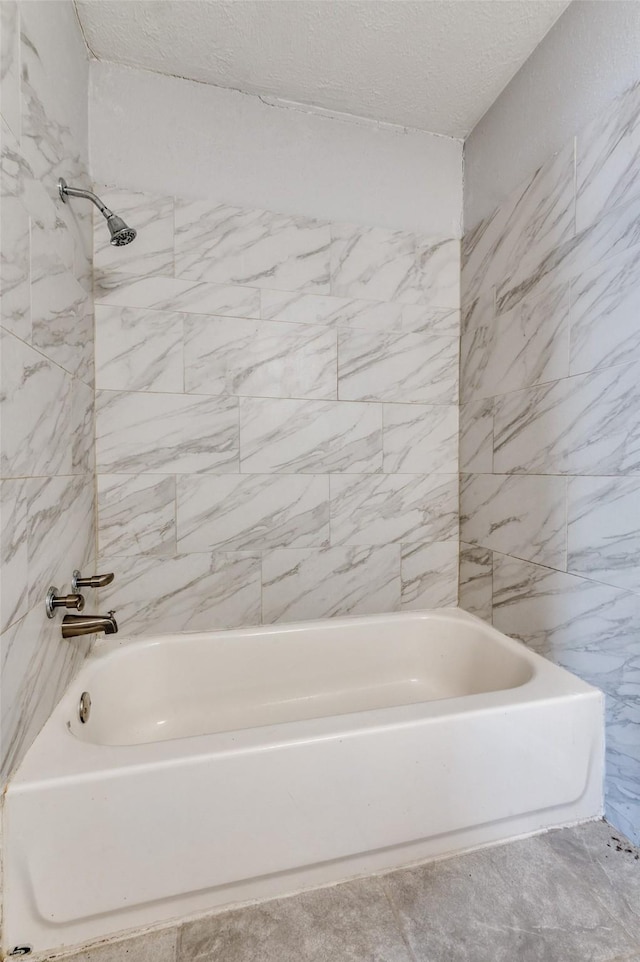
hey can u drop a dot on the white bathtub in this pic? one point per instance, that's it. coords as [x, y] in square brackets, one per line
[224, 767]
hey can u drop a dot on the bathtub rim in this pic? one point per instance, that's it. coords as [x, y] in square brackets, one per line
[57, 754]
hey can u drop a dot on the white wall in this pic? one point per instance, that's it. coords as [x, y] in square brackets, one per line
[591, 55]
[170, 136]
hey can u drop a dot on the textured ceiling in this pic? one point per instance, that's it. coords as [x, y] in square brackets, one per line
[433, 64]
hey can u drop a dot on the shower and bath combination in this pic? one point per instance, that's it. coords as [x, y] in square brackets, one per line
[121, 233]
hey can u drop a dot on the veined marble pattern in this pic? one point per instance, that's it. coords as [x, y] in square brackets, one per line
[382, 509]
[46, 390]
[10, 65]
[300, 584]
[165, 434]
[13, 552]
[82, 428]
[139, 350]
[549, 395]
[608, 158]
[587, 424]
[250, 358]
[420, 438]
[159, 293]
[386, 265]
[519, 515]
[137, 515]
[152, 216]
[15, 268]
[194, 592]
[476, 581]
[510, 245]
[60, 531]
[612, 235]
[622, 790]
[604, 530]
[366, 315]
[429, 575]
[312, 437]
[232, 245]
[605, 306]
[36, 669]
[62, 311]
[259, 511]
[586, 627]
[524, 346]
[32, 427]
[412, 368]
[476, 436]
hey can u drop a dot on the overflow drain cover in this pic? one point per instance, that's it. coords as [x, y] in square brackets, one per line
[84, 708]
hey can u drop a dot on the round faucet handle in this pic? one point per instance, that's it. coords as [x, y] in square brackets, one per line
[54, 600]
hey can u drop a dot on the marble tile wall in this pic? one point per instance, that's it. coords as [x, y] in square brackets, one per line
[550, 424]
[277, 417]
[47, 516]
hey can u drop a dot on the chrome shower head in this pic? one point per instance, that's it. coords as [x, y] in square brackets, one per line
[121, 233]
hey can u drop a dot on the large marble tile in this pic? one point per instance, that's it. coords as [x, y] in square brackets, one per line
[605, 305]
[386, 265]
[438, 271]
[388, 367]
[35, 433]
[15, 266]
[255, 248]
[82, 430]
[373, 263]
[136, 515]
[420, 438]
[159, 293]
[586, 627]
[250, 358]
[61, 531]
[476, 581]
[524, 346]
[14, 560]
[429, 575]
[195, 592]
[608, 158]
[622, 787]
[520, 515]
[150, 947]
[151, 215]
[381, 509]
[357, 313]
[314, 437]
[608, 237]
[37, 666]
[10, 65]
[258, 511]
[586, 424]
[346, 923]
[516, 901]
[165, 434]
[138, 350]
[476, 436]
[306, 583]
[508, 248]
[603, 532]
[62, 311]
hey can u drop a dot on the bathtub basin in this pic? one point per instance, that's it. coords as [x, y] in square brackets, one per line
[229, 766]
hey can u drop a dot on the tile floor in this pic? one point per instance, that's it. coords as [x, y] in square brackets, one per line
[572, 895]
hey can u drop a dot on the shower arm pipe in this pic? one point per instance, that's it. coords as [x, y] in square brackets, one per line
[66, 191]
